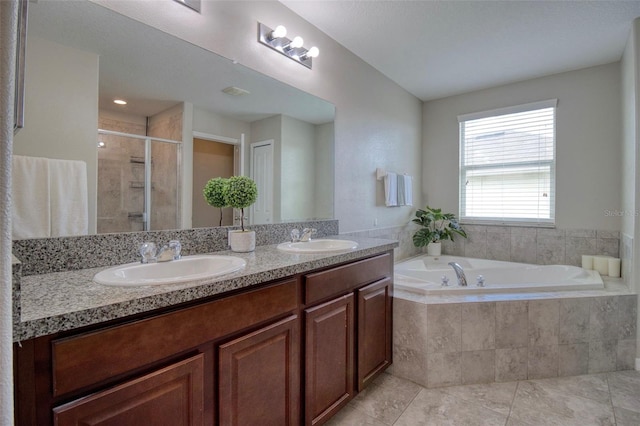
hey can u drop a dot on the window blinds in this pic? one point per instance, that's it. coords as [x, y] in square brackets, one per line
[507, 165]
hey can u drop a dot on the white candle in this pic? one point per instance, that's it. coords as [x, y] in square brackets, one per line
[587, 261]
[601, 264]
[614, 268]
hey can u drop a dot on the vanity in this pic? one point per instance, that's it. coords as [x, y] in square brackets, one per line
[290, 339]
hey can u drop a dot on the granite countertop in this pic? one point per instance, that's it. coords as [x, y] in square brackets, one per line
[60, 301]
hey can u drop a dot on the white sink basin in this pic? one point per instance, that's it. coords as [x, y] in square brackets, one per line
[318, 246]
[188, 268]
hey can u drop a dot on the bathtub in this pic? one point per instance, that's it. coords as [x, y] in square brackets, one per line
[423, 275]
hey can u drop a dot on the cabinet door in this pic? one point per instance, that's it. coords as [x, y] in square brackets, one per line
[259, 379]
[374, 331]
[170, 396]
[329, 358]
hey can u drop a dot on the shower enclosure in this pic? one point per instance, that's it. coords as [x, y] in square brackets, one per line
[138, 180]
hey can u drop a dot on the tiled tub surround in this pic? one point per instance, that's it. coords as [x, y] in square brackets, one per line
[499, 338]
[61, 301]
[541, 246]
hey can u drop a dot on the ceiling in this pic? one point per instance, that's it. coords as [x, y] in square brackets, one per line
[435, 49]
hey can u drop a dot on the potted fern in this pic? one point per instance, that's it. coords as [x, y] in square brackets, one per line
[240, 192]
[214, 194]
[436, 227]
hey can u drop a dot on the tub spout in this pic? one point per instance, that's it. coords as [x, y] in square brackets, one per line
[462, 279]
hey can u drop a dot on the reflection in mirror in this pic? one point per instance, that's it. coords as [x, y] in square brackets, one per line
[81, 57]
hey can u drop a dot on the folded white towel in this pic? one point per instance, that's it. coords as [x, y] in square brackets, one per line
[69, 201]
[391, 189]
[30, 197]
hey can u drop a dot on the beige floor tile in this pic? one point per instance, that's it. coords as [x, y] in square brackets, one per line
[349, 416]
[386, 398]
[625, 389]
[626, 417]
[436, 407]
[592, 386]
[495, 396]
[539, 405]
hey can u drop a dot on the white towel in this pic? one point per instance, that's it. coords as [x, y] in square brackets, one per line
[408, 190]
[401, 201]
[69, 201]
[30, 197]
[391, 189]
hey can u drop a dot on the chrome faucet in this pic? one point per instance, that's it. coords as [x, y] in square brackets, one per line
[462, 279]
[170, 252]
[307, 233]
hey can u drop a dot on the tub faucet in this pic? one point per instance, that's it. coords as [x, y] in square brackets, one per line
[170, 251]
[462, 279]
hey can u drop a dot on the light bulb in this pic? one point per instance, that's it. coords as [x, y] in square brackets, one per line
[120, 101]
[296, 42]
[280, 31]
[313, 52]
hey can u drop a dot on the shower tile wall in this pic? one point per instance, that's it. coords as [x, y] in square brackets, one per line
[120, 182]
[533, 245]
[164, 171]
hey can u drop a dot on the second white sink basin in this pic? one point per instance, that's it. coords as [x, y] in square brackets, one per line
[189, 268]
[318, 246]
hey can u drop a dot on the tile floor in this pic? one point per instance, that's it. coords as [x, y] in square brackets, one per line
[595, 399]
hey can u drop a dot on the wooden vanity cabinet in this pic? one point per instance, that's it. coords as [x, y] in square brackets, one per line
[286, 353]
[347, 333]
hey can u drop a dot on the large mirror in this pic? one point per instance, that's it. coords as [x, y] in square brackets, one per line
[147, 165]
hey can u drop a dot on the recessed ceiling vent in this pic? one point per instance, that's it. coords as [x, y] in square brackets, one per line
[235, 91]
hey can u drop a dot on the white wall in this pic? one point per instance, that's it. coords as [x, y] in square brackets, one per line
[588, 145]
[377, 122]
[630, 101]
[629, 160]
[264, 130]
[8, 31]
[297, 172]
[324, 161]
[57, 72]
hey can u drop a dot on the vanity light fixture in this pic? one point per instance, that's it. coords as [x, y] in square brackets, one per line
[291, 48]
[119, 101]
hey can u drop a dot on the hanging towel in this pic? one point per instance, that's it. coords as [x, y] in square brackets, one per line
[408, 190]
[69, 200]
[391, 189]
[401, 192]
[30, 197]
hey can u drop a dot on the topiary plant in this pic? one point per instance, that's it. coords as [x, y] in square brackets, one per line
[240, 192]
[214, 192]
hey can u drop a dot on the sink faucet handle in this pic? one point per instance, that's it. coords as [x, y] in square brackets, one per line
[307, 233]
[149, 252]
[295, 235]
[176, 248]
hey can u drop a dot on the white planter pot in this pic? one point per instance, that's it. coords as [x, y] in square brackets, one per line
[242, 242]
[434, 249]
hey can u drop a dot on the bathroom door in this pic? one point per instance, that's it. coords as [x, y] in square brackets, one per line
[262, 174]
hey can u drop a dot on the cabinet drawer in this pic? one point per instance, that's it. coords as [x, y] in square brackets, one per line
[171, 396]
[333, 282]
[95, 357]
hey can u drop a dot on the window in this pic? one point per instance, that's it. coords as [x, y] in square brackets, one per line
[507, 165]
